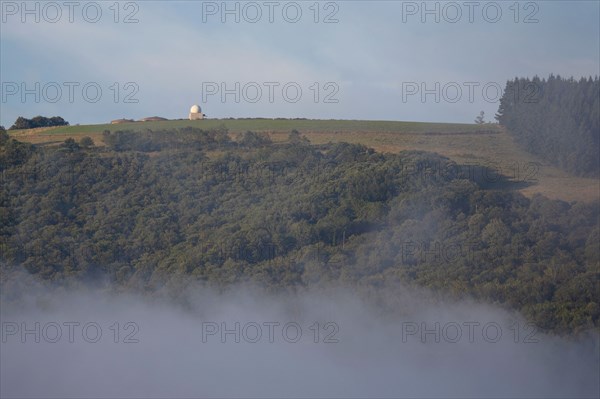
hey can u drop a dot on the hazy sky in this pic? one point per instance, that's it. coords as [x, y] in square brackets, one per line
[434, 61]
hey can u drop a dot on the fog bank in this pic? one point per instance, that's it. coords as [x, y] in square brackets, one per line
[248, 344]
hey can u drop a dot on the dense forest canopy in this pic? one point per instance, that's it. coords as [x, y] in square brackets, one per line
[154, 206]
[557, 119]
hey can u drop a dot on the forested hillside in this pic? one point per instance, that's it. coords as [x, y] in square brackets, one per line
[557, 119]
[155, 206]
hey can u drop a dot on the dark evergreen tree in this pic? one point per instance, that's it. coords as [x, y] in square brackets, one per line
[557, 119]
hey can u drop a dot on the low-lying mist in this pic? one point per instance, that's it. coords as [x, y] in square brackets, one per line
[245, 343]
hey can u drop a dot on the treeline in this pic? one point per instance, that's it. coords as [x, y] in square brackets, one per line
[195, 205]
[557, 119]
[38, 121]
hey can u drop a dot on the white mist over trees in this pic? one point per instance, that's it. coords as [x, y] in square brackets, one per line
[170, 354]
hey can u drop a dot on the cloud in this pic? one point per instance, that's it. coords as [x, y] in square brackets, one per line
[317, 343]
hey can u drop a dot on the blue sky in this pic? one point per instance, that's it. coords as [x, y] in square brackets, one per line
[388, 60]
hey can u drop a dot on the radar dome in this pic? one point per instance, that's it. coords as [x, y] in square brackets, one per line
[195, 109]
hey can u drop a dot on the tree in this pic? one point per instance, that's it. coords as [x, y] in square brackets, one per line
[38, 121]
[57, 121]
[70, 145]
[252, 139]
[480, 118]
[4, 137]
[296, 138]
[21, 123]
[86, 142]
[557, 119]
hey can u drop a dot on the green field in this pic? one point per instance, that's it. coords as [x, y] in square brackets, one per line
[486, 145]
[278, 125]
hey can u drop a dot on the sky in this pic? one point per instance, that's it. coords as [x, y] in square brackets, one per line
[91, 62]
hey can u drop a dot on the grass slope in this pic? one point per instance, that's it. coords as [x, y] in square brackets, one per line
[465, 143]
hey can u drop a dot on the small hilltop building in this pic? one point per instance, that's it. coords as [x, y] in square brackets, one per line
[196, 113]
[117, 121]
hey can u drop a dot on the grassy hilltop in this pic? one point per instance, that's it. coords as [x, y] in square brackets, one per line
[485, 144]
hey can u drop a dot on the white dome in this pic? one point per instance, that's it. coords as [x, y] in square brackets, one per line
[195, 109]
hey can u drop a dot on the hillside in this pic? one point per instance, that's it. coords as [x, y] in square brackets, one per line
[482, 145]
[167, 208]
